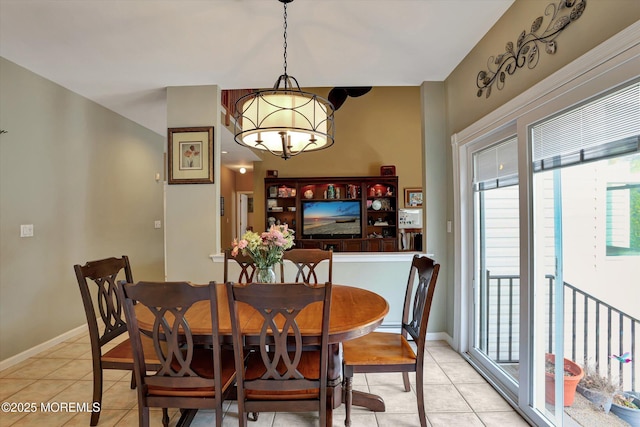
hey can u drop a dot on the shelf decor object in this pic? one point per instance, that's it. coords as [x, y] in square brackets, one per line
[527, 49]
[190, 155]
[285, 121]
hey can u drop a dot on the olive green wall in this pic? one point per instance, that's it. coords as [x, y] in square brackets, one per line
[600, 20]
[382, 127]
[85, 178]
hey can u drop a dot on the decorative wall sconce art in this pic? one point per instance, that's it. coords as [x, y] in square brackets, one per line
[527, 49]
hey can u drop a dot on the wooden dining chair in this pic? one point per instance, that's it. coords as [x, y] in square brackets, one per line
[192, 376]
[103, 274]
[247, 266]
[388, 352]
[306, 261]
[279, 375]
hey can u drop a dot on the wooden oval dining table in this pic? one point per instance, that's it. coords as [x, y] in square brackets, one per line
[354, 312]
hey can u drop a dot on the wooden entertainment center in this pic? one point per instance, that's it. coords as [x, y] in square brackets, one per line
[348, 214]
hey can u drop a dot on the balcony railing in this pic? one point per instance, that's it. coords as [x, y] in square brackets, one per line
[596, 329]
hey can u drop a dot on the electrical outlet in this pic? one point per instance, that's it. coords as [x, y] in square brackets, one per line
[26, 230]
[157, 224]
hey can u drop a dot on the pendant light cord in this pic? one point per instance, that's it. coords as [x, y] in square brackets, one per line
[285, 39]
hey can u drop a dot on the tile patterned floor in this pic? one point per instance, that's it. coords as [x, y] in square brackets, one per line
[455, 395]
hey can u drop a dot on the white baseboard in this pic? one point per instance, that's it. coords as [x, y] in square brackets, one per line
[431, 336]
[14, 360]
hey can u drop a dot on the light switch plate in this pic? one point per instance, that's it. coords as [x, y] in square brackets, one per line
[157, 224]
[26, 230]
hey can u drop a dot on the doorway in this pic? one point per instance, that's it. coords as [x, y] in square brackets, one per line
[244, 220]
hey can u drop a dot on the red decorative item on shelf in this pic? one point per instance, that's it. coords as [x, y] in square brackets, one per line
[388, 170]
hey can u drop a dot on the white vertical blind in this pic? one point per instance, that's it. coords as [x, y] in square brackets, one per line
[496, 166]
[608, 126]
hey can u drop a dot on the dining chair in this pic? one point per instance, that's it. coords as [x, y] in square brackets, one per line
[192, 376]
[104, 274]
[389, 352]
[247, 266]
[278, 375]
[306, 261]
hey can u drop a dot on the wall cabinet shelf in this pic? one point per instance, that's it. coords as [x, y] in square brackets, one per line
[348, 214]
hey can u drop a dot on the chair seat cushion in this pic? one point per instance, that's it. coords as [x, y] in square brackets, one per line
[202, 364]
[378, 348]
[123, 353]
[309, 367]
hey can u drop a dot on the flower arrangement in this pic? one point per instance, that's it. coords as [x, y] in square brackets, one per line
[265, 249]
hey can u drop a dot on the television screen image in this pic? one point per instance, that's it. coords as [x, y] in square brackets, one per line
[331, 218]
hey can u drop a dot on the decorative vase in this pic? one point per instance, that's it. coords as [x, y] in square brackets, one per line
[265, 275]
[570, 381]
[630, 415]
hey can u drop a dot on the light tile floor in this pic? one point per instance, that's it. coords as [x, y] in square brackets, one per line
[455, 395]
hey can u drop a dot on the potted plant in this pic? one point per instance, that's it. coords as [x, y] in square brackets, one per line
[573, 373]
[598, 389]
[626, 405]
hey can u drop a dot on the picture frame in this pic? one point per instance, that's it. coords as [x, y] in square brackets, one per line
[413, 197]
[190, 155]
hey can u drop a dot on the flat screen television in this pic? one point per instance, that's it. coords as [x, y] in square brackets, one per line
[324, 219]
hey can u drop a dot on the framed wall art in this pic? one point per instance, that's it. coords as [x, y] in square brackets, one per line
[413, 197]
[190, 159]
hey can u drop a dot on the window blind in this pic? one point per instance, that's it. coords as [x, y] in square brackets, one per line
[606, 127]
[496, 166]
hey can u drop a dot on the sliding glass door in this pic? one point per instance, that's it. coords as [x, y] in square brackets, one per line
[496, 293]
[552, 232]
[586, 228]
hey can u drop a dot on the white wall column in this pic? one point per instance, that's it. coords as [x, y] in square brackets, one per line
[192, 220]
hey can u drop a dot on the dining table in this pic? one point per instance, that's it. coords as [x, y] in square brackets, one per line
[354, 312]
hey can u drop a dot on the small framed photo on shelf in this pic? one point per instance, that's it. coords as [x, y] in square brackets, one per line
[413, 197]
[190, 155]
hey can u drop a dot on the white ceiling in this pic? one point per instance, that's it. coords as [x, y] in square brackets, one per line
[122, 54]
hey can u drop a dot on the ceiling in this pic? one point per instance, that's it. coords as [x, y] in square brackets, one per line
[122, 54]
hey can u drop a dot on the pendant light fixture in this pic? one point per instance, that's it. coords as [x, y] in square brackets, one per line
[284, 121]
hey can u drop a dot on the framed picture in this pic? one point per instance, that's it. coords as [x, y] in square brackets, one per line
[190, 155]
[413, 197]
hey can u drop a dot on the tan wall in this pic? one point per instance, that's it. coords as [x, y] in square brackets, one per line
[244, 182]
[228, 183]
[382, 127]
[85, 178]
[600, 20]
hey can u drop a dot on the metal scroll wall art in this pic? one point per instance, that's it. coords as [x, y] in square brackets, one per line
[527, 49]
